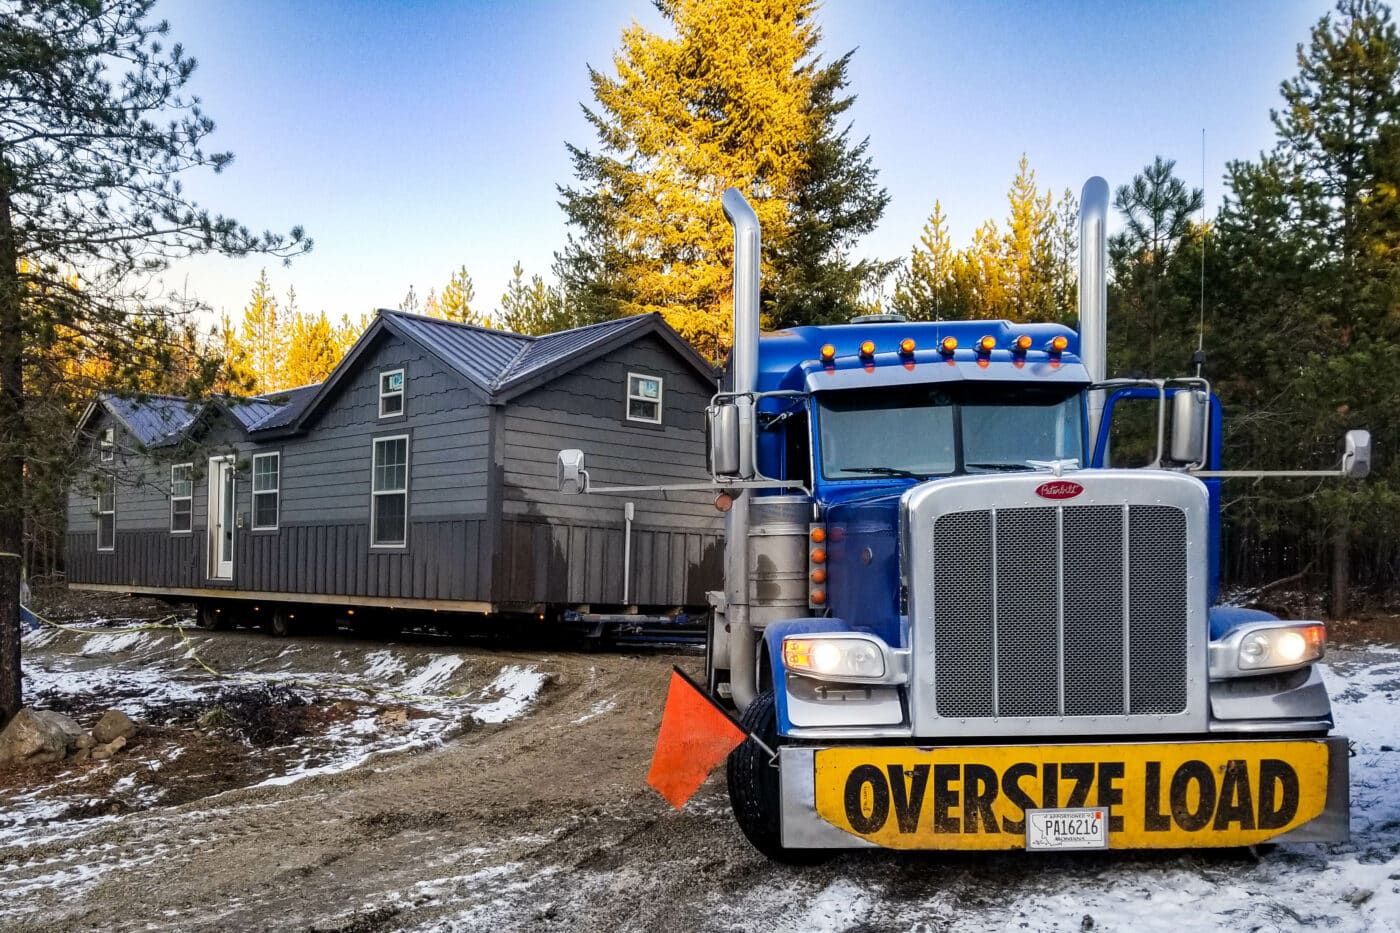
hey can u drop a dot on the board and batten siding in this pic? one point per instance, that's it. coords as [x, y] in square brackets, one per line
[321, 545]
[570, 549]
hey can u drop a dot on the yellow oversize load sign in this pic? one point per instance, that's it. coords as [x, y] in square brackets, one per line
[1155, 795]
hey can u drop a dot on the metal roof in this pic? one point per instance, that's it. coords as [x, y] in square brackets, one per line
[551, 349]
[152, 419]
[480, 354]
[285, 406]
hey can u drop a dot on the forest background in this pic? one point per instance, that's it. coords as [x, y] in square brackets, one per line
[1290, 284]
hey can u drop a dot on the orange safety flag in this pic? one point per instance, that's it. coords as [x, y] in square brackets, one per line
[696, 735]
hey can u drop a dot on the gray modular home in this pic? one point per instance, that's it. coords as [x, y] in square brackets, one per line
[420, 474]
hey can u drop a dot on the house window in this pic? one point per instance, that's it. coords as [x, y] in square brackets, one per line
[391, 393]
[107, 513]
[644, 398]
[267, 482]
[389, 499]
[181, 496]
[108, 445]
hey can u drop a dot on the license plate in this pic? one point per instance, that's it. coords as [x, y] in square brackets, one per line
[1067, 828]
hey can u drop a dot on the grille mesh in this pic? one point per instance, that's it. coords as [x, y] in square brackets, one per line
[1029, 615]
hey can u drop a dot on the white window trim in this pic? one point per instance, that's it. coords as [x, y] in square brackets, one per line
[107, 445]
[111, 480]
[174, 499]
[403, 401]
[660, 394]
[275, 491]
[374, 494]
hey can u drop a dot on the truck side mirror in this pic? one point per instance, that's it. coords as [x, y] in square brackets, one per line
[722, 429]
[1356, 462]
[569, 473]
[1190, 415]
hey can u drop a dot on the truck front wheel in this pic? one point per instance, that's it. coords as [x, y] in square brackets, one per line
[754, 794]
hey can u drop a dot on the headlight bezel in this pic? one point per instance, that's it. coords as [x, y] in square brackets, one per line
[1268, 648]
[799, 651]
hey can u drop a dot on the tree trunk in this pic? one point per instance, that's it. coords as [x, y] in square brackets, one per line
[11, 456]
[1341, 569]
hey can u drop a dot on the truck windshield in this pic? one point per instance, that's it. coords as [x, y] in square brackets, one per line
[925, 431]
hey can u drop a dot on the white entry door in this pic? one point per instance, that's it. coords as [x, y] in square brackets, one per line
[221, 502]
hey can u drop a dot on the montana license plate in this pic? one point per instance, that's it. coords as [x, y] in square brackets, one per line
[1067, 828]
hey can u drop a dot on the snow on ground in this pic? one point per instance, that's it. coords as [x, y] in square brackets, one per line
[400, 698]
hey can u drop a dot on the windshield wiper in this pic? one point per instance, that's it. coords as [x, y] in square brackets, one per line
[885, 471]
[1007, 467]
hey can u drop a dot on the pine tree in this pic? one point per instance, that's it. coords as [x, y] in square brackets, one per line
[1028, 249]
[923, 291]
[456, 299]
[737, 97]
[312, 352]
[532, 307]
[263, 337]
[96, 137]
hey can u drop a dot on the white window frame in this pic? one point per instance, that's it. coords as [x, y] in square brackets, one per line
[110, 480]
[374, 494]
[188, 497]
[107, 445]
[660, 394]
[400, 394]
[275, 491]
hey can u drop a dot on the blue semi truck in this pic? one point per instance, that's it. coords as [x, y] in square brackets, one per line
[950, 623]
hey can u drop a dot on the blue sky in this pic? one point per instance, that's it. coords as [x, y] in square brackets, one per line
[413, 137]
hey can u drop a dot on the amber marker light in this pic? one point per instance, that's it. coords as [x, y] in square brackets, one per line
[1058, 344]
[828, 353]
[948, 345]
[986, 345]
[867, 348]
[819, 575]
[1023, 343]
[724, 502]
[818, 597]
[818, 535]
[819, 555]
[907, 345]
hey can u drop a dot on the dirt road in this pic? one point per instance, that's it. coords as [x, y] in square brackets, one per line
[544, 822]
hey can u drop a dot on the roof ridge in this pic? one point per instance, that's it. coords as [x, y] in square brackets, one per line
[480, 328]
[504, 376]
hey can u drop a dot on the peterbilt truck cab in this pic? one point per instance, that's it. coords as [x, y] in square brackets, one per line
[950, 623]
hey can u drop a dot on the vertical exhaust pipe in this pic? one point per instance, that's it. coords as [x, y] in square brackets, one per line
[743, 371]
[1093, 291]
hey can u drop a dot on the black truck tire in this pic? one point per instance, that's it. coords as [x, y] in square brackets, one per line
[212, 618]
[754, 791]
[282, 622]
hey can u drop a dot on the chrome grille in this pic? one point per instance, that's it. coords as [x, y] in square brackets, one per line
[1060, 611]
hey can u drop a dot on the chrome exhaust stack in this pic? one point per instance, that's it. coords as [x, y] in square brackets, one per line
[1093, 291]
[743, 673]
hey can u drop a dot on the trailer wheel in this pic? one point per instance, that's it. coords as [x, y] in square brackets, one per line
[281, 623]
[754, 791]
[211, 618]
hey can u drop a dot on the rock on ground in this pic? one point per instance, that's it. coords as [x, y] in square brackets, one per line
[33, 738]
[113, 725]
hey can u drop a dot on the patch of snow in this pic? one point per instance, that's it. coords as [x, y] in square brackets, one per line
[432, 677]
[115, 643]
[516, 688]
[383, 665]
[598, 709]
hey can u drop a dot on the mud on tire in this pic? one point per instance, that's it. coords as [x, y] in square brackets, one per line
[753, 788]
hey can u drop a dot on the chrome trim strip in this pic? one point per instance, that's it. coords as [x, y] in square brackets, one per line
[1127, 617]
[996, 655]
[1060, 603]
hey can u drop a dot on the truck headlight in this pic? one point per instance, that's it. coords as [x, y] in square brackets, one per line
[835, 657]
[1263, 649]
[1273, 647]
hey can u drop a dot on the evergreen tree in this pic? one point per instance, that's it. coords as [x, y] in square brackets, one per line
[532, 307]
[923, 290]
[456, 299]
[737, 97]
[263, 337]
[97, 133]
[312, 353]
